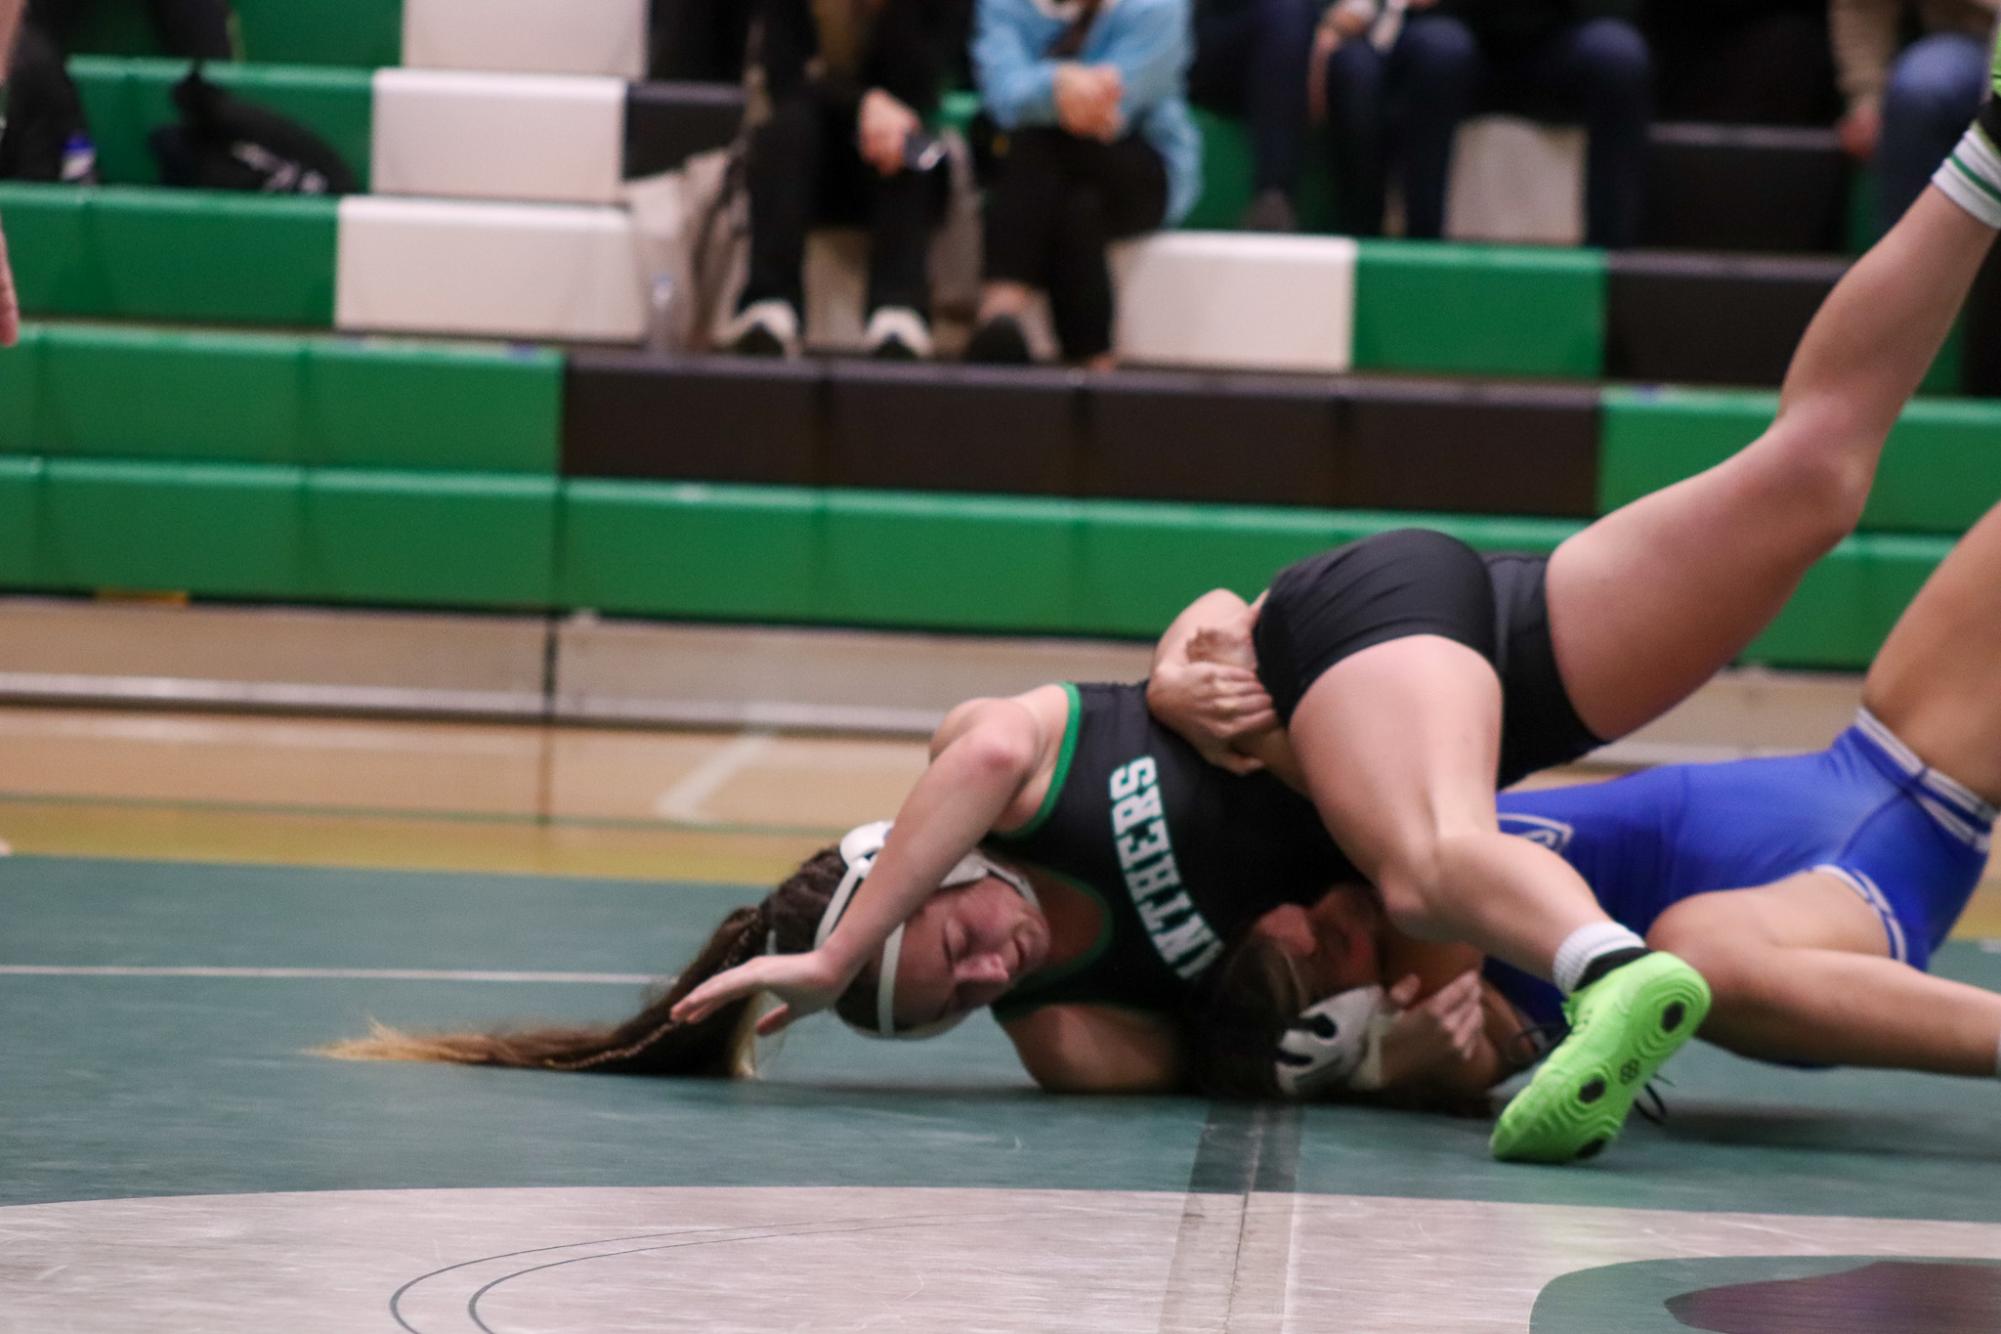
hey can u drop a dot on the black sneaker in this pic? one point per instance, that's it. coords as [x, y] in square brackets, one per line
[999, 342]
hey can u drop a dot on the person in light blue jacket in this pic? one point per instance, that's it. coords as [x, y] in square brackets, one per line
[1095, 144]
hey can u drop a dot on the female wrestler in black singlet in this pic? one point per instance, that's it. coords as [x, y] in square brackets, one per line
[1100, 897]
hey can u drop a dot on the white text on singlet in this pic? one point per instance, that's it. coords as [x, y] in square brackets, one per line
[1182, 938]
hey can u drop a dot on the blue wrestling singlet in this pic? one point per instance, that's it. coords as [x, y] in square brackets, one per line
[1909, 840]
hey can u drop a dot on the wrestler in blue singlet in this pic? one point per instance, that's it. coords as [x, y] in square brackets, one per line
[1909, 840]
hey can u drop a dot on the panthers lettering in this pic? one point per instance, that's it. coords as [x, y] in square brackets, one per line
[1184, 940]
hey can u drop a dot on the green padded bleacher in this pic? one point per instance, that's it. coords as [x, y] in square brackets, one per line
[781, 554]
[273, 532]
[176, 255]
[361, 33]
[1500, 310]
[134, 393]
[126, 98]
[1940, 471]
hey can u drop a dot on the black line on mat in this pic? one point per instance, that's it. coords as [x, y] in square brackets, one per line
[1244, 1148]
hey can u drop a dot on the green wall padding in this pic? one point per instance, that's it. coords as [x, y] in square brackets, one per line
[20, 492]
[223, 530]
[1087, 567]
[729, 552]
[138, 394]
[760, 554]
[1491, 310]
[181, 255]
[1940, 471]
[943, 561]
[127, 393]
[430, 539]
[262, 531]
[21, 392]
[361, 33]
[125, 99]
[904, 559]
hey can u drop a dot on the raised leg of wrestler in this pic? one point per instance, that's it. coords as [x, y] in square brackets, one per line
[1800, 971]
[1400, 743]
[1679, 582]
[1936, 682]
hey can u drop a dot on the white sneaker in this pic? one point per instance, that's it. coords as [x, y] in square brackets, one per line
[898, 333]
[763, 329]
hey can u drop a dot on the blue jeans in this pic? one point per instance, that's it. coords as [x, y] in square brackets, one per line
[1252, 58]
[1407, 104]
[1934, 90]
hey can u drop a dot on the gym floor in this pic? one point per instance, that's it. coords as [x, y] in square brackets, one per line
[197, 901]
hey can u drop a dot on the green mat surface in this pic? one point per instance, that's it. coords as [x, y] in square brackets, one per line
[124, 1085]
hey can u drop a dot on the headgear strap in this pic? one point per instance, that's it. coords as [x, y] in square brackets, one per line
[859, 849]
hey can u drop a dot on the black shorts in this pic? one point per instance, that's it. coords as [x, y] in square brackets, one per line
[1414, 581]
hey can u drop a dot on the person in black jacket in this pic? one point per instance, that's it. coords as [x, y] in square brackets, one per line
[1413, 75]
[848, 84]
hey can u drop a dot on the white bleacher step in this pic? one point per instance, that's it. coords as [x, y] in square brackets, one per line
[1236, 299]
[463, 135]
[488, 270]
[1224, 300]
[1516, 181]
[528, 36]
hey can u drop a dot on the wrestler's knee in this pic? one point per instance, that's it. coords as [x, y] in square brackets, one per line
[1728, 953]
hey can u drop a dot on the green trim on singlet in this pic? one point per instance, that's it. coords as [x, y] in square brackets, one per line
[1056, 779]
[1020, 1001]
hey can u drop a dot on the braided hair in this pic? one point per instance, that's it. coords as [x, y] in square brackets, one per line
[650, 1042]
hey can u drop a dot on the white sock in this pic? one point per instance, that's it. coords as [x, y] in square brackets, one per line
[1971, 177]
[1584, 945]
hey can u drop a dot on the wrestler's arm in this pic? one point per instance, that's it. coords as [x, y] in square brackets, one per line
[1098, 1049]
[1204, 684]
[984, 757]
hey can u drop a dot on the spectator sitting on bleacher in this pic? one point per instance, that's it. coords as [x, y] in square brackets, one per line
[1906, 111]
[840, 89]
[46, 138]
[1251, 59]
[1419, 69]
[1096, 144]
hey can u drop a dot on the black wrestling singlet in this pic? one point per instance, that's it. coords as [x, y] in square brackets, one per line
[1183, 855]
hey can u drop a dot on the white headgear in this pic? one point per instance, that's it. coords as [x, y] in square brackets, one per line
[859, 848]
[1334, 1044]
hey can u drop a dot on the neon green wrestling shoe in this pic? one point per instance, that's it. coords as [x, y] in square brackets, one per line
[1623, 1027]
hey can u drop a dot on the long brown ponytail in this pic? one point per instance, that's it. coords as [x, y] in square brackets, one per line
[649, 1043]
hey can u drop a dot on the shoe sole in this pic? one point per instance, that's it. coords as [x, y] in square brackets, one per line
[1576, 1104]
